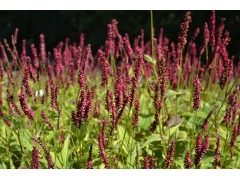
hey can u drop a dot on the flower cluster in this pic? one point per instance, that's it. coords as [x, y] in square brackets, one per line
[119, 89]
[54, 94]
[25, 82]
[182, 37]
[170, 154]
[83, 109]
[51, 165]
[196, 94]
[1, 69]
[128, 49]
[206, 38]
[217, 152]
[136, 114]
[103, 132]
[102, 151]
[27, 111]
[89, 162]
[188, 161]
[159, 88]
[35, 164]
[110, 42]
[232, 109]
[111, 107]
[233, 139]
[35, 56]
[42, 53]
[212, 28]
[105, 67]
[201, 148]
[136, 76]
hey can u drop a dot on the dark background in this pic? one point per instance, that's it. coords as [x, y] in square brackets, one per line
[57, 25]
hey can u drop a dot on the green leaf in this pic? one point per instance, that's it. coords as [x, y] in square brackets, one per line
[187, 114]
[171, 130]
[131, 158]
[207, 161]
[56, 160]
[150, 59]
[152, 138]
[121, 132]
[171, 93]
[65, 151]
[145, 121]
[25, 139]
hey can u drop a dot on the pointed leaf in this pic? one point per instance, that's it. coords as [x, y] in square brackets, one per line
[152, 138]
[25, 139]
[65, 150]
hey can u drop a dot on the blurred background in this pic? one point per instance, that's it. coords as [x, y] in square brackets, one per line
[58, 25]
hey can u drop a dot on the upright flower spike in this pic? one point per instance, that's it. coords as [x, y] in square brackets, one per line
[136, 113]
[206, 39]
[200, 152]
[145, 163]
[3, 52]
[14, 39]
[118, 89]
[154, 123]
[35, 164]
[23, 54]
[198, 144]
[170, 154]
[196, 94]
[128, 49]
[89, 162]
[111, 107]
[83, 109]
[233, 139]
[104, 66]
[35, 56]
[182, 37]
[212, 28]
[188, 161]
[43, 56]
[27, 111]
[102, 152]
[103, 132]
[151, 162]
[136, 76]
[217, 152]
[1, 70]
[82, 79]
[25, 82]
[51, 165]
[110, 46]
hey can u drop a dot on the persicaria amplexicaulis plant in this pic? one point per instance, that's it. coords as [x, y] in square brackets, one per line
[136, 102]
